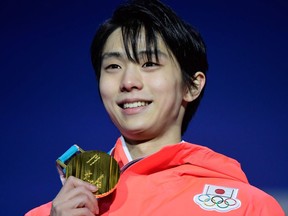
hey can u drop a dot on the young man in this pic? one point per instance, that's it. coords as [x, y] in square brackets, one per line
[151, 69]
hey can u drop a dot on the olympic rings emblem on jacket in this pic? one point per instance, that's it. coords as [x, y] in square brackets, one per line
[218, 198]
[221, 202]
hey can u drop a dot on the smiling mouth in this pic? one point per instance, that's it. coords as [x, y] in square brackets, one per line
[134, 104]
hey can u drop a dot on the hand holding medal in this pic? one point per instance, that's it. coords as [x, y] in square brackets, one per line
[95, 167]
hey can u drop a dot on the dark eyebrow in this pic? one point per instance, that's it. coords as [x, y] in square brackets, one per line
[112, 54]
[140, 54]
[153, 53]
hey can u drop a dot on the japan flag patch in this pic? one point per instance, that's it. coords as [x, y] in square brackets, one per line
[218, 198]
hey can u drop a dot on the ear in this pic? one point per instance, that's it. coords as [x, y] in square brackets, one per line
[193, 92]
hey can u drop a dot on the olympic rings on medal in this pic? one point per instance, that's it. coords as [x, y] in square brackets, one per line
[220, 201]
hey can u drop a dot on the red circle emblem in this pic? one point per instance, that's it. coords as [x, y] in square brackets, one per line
[219, 191]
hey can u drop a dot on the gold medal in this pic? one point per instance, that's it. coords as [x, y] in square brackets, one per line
[97, 168]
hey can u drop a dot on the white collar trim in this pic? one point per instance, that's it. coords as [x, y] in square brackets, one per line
[126, 150]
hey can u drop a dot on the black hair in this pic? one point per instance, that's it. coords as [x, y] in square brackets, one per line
[181, 39]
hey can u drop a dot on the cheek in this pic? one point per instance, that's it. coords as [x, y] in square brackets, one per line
[106, 96]
[102, 89]
[168, 86]
[105, 89]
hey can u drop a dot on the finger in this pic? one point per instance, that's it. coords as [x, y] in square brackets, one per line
[77, 197]
[78, 211]
[76, 193]
[83, 211]
[84, 198]
[73, 182]
[79, 201]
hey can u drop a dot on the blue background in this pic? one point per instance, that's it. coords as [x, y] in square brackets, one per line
[49, 97]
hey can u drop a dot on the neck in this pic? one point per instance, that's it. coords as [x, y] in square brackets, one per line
[143, 148]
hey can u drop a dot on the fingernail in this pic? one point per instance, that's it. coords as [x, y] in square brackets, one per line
[93, 188]
[97, 211]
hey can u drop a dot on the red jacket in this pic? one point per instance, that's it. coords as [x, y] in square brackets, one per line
[182, 179]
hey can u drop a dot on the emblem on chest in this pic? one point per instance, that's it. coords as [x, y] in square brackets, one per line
[218, 198]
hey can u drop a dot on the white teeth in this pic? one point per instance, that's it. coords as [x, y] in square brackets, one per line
[134, 104]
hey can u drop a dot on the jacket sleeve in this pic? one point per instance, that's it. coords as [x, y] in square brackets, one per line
[43, 210]
[269, 206]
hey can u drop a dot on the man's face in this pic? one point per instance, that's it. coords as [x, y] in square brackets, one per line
[144, 100]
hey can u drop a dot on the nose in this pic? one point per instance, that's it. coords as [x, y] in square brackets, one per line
[131, 79]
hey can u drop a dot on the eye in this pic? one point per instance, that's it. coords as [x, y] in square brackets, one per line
[112, 66]
[150, 64]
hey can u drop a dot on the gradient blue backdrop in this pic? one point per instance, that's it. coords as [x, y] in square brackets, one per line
[49, 97]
